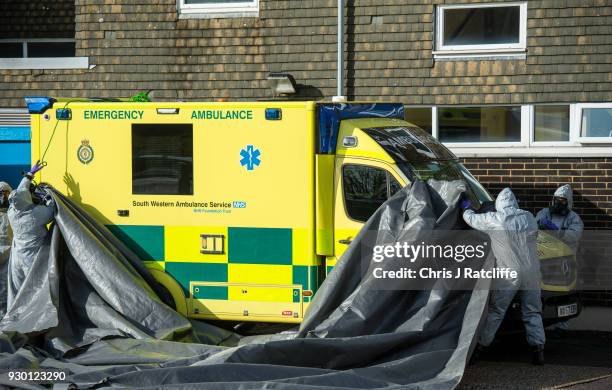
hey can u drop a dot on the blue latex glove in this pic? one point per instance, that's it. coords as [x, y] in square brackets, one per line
[37, 167]
[465, 204]
[548, 224]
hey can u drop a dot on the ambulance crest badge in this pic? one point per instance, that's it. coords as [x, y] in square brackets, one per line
[85, 152]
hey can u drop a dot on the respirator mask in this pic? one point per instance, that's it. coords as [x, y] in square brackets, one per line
[559, 206]
[4, 203]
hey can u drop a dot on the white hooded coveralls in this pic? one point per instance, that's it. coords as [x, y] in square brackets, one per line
[28, 221]
[513, 234]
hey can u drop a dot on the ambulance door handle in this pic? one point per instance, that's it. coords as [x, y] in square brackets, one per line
[346, 241]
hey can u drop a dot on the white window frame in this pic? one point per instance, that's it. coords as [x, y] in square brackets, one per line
[509, 49]
[505, 144]
[572, 128]
[578, 120]
[26, 62]
[527, 147]
[227, 9]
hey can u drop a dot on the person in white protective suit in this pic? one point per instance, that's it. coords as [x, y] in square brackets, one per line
[513, 234]
[6, 239]
[561, 221]
[28, 217]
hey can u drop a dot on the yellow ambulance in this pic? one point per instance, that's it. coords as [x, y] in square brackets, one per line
[240, 209]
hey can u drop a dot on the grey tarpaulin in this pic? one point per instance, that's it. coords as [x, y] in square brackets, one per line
[90, 308]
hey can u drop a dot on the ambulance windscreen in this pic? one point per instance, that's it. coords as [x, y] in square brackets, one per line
[409, 144]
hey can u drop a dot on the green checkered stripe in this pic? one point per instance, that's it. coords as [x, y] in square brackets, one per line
[245, 246]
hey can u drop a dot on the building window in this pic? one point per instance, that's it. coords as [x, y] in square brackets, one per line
[162, 159]
[542, 130]
[365, 189]
[419, 116]
[481, 29]
[551, 123]
[37, 48]
[218, 8]
[479, 124]
[595, 122]
[40, 53]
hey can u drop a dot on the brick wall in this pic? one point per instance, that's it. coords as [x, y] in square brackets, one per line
[138, 45]
[534, 181]
[36, 19]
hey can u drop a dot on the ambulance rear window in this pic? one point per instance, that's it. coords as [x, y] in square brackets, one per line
[162, 159]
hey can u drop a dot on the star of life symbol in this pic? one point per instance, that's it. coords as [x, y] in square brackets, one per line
[250, 157]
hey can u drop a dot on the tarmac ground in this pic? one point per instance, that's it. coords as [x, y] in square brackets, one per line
[579, 360]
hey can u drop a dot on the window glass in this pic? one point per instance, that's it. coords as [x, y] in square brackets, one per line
[162, 159]
[551, 123]
[596, 122]
[394, 186]
[365, 189]
[11, 50]
[214, 2]
[481, 26]
[479, 124]
[51, 49]
[420, 116]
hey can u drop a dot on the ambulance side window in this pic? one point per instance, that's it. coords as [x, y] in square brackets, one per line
[162, 159]
[365, 189]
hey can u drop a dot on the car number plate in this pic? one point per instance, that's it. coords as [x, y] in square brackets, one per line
[567, 310]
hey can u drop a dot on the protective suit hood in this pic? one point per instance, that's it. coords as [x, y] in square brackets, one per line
[4, 186]
[506, 199]
[565, 191]
[21, 199]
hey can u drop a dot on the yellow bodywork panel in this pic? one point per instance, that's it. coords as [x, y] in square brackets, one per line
[325, 204]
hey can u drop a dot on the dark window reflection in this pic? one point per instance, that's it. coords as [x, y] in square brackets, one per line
[482, 26]
[51, 49]
[479, 124]
[365, 189]
[420, 116]
[162, 159]
[11, 50]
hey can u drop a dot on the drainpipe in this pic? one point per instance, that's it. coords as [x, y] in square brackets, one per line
[340, 77]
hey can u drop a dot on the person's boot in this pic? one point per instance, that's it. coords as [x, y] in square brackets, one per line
[477, 354]
[538, 355]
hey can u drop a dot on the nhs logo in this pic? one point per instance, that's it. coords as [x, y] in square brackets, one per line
[238, 204]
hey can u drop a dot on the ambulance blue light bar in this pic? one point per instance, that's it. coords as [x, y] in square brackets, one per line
[331, 114]
[39, 104]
